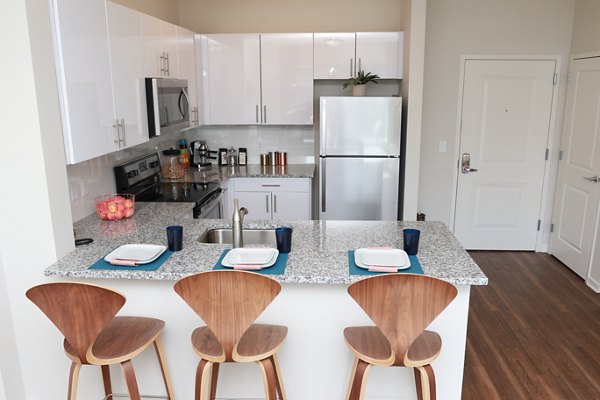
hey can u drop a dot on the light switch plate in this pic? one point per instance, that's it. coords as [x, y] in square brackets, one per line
[443, 146]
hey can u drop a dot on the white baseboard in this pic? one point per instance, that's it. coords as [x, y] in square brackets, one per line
[593, 284]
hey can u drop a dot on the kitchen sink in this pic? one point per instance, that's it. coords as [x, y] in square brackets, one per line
[251, 236]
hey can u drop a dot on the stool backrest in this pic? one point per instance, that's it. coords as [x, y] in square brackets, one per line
[80, 311]
[402, 306]
[228, 301]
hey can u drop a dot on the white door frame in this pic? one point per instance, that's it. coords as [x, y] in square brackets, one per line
[553, 137]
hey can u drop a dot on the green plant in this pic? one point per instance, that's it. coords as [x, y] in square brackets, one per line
[361, 78]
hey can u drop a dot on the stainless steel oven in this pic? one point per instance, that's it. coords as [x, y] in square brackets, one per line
[141, 177]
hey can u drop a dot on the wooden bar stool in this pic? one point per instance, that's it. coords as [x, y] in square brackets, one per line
[85, 315]
[229, 302]
[401, 306]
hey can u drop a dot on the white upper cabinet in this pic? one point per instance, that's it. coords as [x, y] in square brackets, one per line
[235, 65]
[84, 79]
[231, 79]
[287, 78]
[334, 55]
[186, 62]
[342, 55]
[127, 67]
[160, 48]
[380, 53]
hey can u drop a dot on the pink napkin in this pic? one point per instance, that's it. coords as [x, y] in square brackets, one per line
[118, 261]
[247, 266]
[381, 268]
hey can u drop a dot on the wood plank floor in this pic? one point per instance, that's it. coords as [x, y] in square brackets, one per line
[534, 331]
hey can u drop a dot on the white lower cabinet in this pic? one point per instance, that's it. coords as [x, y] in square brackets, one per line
[274, 198]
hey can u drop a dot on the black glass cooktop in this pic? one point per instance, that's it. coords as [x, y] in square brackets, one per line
[179, 192]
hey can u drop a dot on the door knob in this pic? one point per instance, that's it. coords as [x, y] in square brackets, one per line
[594, 179]
[466, 164]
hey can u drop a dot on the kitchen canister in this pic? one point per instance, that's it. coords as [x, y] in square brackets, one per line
[242, 156]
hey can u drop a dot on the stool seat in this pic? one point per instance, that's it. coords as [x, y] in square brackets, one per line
[370, 345]
[122, 339]
[260, 341]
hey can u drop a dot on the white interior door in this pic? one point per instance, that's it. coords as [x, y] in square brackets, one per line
[577, 188]
[506, 112]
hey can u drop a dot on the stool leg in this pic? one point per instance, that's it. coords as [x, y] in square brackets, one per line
[213, 381]
[357, 379]
[106, 380]
[73, 380]
[164, 369]
[132, 387]
[204, 367]
[279, 382]
[425, 382]
[269, 378]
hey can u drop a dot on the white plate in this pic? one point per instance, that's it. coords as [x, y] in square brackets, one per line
[257, 256]
[365, 258]
[139, 253]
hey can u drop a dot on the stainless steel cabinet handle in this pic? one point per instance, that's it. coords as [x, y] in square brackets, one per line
[351, 72]
[323, 186]
[162, 63]
[265, 115]
[594, 179]
[118, 139]
[271, 185]
[168, 67]
[257, 113]
[359, 64]
[274, 203]
[466, 164]
[267, 198]
[123, 132]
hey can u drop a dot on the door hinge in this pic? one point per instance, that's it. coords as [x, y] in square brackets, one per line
[547, 154]
[551, 228]
[539, 224]
[570, 76]
[555, 79]
[560, 155]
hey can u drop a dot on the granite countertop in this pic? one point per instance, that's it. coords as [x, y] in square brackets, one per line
[220, 174]
[319, 248]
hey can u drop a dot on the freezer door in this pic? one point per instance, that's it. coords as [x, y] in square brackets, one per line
[360, 126]
[359, 188]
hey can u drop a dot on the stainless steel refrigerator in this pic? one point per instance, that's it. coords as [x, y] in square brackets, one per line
[359, 158]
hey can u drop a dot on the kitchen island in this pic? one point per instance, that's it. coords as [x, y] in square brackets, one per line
[313, 303]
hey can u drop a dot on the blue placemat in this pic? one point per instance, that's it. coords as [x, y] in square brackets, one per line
[415, 267]
[153, 266]
[277, 269]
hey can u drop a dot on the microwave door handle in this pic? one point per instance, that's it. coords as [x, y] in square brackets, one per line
[181, 111]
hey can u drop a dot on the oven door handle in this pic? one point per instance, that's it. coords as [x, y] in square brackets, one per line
[212, 202]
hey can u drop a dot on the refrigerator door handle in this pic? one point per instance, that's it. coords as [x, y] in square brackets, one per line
[323, 185]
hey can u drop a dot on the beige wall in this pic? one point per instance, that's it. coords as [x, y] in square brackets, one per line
[167, 10]
[586, 28]
[456, 28]
[244, 16]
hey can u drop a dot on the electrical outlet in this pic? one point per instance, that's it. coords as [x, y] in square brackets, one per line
[259, 143]
[443, 146]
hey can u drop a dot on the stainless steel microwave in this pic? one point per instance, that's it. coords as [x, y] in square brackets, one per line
[168, 105]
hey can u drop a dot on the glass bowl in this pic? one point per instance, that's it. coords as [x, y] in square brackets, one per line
[115, 206]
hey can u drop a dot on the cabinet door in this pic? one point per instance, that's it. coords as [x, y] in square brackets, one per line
[84, 79]
[334, 55]
[287, 79]
[154, 65]
[258, 204]
[127, 66]
[379, 53]
[291, 205]
[187, 68]
[232, 67]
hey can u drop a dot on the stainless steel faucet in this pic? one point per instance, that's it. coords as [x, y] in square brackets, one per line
[236, 224]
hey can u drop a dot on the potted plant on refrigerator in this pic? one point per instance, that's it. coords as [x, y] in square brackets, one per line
[359, 82]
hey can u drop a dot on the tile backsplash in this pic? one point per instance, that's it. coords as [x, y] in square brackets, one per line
[95, 177]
